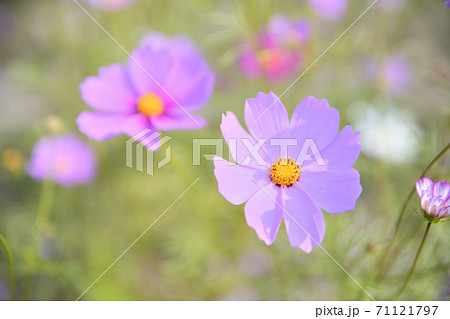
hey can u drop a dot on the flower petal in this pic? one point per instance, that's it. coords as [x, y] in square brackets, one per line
[314, 119]
[190, 82]
[110, 91]
[183, 121]
[148, 70]
[424, 187]
[334, 191]
[341, 153]
[305, 224]
[235, 136]
[236, 182]
[263, 214]
[265, 116]
[101, 126]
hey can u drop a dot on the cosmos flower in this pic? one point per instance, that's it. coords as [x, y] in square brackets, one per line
[434, 199]
[447, 4]
[289, 183]
[65, 159]
[333, 10]
[127, 99]
[278, 51]
[110, 4]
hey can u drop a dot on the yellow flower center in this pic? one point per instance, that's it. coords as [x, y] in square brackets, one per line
[285, 172]
[150, 104]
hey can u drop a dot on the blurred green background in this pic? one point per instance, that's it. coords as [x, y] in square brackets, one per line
[202, 248]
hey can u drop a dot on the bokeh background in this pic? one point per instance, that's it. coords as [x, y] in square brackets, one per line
[202, 248]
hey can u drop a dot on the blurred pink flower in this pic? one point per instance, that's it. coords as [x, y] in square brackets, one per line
[434, 198]
[395, 75]
[277, 51]
[275, 186]
[110, 4]
[333, 10]
[65, 159]
[127, 100]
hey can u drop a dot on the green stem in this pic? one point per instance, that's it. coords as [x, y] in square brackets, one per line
[12, 277]
[45, 205]
[403, 211]
[411, 272]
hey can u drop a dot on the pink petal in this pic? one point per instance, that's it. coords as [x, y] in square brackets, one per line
[101, 126]
[236, 182]
[265, 116]
[167, 122]
[110, 90]
[305, 224]
[341, 153]
[334, 191]
[148, 69]
[263, 214]
[314, 119]
[235, 136]
[190, 82]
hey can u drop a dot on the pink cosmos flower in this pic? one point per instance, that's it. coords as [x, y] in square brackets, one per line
[278, 51]
[278, 182]
[164, 81]
[434, 198]
[65, 159]
[333, 10]
[110, 4]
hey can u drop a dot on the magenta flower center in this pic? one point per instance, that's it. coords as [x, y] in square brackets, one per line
[285, 172]
[150, 104]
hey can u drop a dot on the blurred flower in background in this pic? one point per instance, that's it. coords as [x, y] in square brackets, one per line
[334, 10]
[434, 199]
[447, 4]
[110, 4]
[65, 159]
[13, 161]
[278, 51]
[388, 135]
[302, 190]
[393, 74]
[164, 81]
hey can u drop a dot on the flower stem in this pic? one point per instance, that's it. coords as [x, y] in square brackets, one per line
[45, 205]
[411, 272]
[381, 272]
[12, 277]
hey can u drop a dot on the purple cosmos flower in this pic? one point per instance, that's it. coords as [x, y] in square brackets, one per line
[110, 4]
[434, 199]
[127, 100]
[65, 159]
[447, 4]
[333, 10]
[289, 183]
[278, 51]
